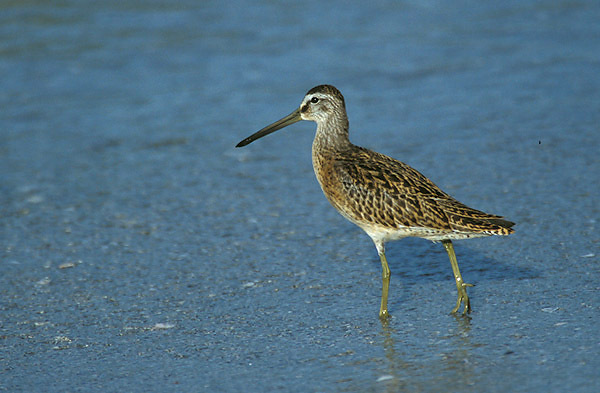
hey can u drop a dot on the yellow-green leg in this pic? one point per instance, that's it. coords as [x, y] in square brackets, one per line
[385, 281]
[461, 286]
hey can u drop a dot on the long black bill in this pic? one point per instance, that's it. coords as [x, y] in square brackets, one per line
[278, 125]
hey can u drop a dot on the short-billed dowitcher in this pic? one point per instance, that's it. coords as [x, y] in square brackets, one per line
[388, 199]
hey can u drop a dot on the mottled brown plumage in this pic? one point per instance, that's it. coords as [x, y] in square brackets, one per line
[388, 199]
[374, 190]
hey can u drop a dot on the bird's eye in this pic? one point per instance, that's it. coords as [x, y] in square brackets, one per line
[314, 100]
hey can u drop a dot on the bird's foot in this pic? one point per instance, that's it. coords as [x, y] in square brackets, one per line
[464, 298]
[384, 315]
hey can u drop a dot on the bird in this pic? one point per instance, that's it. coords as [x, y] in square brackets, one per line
[386, 198]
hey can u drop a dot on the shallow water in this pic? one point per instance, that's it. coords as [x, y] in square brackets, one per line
[142, 252]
